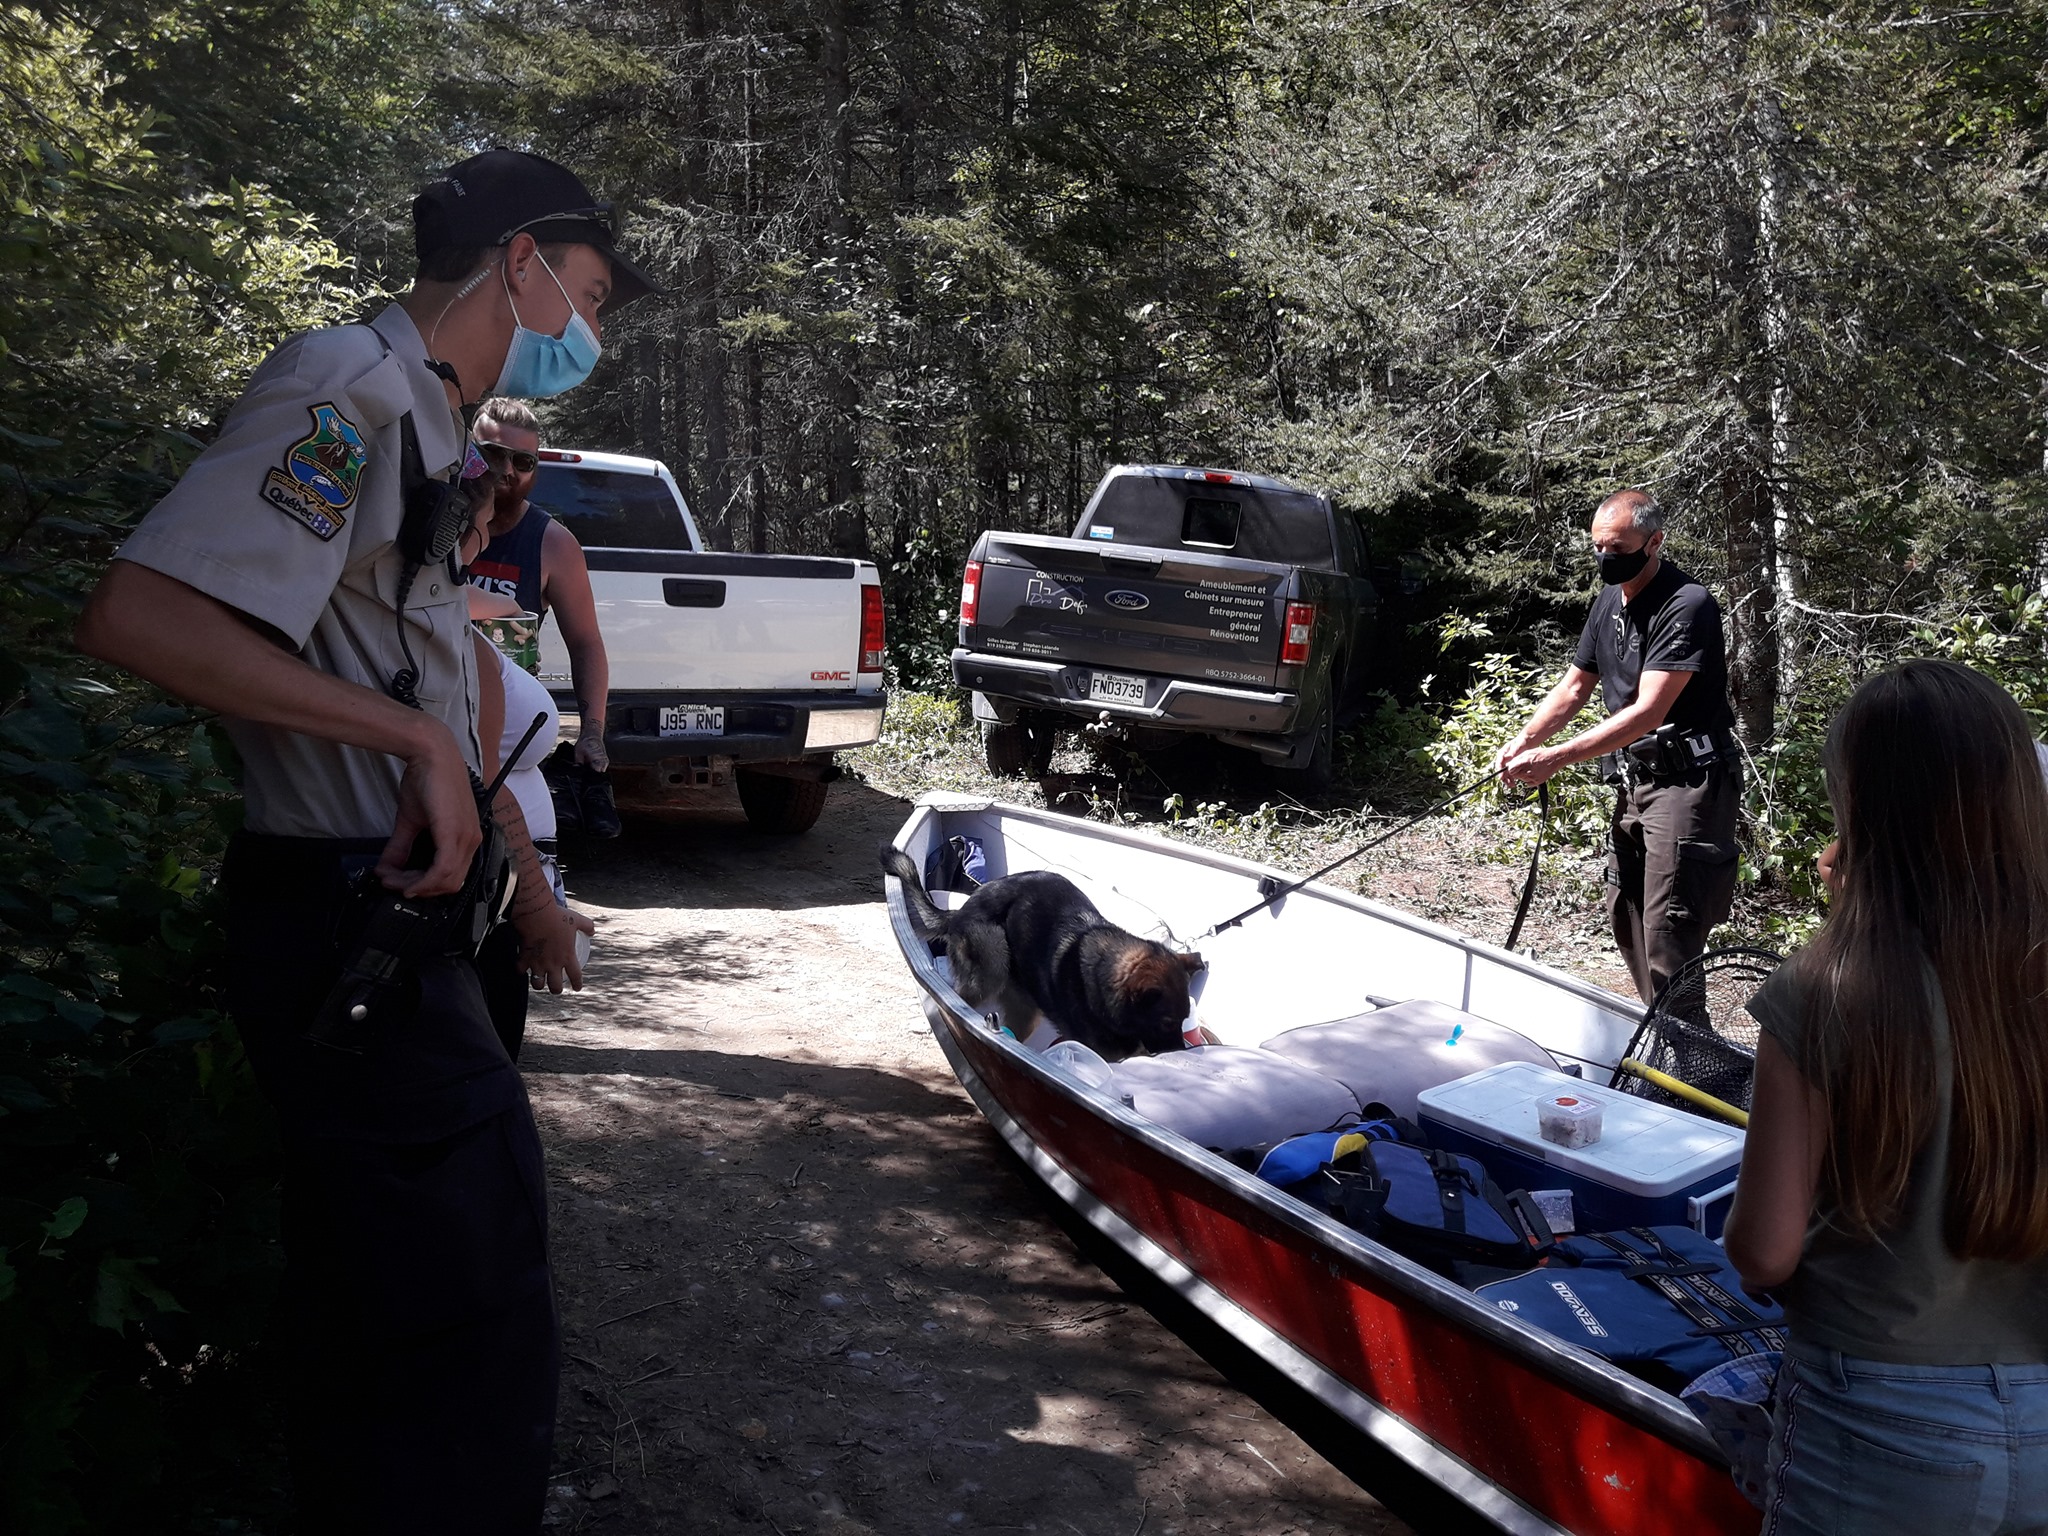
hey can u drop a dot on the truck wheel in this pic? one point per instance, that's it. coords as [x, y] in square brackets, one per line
[775, 802]
[1038, 755]
[1007, 749]
[1314, 774]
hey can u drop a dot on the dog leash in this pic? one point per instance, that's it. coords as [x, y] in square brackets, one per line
[1272, 890]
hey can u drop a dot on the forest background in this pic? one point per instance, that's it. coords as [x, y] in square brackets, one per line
[934, 264]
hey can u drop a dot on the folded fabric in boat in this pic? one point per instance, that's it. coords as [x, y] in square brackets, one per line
[1393, 1053]
[1233, 1099]
[1660, 1302]
[1734, 1401]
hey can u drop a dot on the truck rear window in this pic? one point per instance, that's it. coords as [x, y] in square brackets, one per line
[611, 509]
[1212, 522]
[1166, 512]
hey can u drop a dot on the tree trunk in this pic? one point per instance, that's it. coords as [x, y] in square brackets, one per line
[844, 483]
[1748, 480]
[678, 446]
[705, 278]
[757, 462]
[647, 363]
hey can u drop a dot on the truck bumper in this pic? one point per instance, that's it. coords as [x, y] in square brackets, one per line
[1256, 719]
[759, 727]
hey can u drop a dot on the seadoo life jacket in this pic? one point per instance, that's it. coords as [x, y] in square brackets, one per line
[1660, 1302]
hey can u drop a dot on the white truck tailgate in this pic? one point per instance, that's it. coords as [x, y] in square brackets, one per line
[719, 622]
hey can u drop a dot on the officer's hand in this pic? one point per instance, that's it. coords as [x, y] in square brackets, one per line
[1533, 766]
[590, 749]
[547, 945]
[1510, 750]
[433, 797]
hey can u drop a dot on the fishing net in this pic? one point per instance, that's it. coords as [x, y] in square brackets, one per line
[1699, 1029]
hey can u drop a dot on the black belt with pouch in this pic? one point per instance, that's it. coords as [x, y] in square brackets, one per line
[1665, 756]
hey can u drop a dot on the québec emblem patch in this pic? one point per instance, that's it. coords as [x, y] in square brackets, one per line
[322, 473]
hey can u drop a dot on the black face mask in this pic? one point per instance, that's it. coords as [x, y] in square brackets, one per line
[1616, 569]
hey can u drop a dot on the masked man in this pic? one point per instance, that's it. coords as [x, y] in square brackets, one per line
[537, 562]
[304, 579]
[1653, 645]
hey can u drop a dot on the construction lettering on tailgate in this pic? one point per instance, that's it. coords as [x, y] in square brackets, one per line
[1044, 591]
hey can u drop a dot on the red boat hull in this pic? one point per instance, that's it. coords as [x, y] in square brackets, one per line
[1579, 1464]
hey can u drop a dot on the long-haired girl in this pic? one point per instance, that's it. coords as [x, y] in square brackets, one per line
[1894, 1190]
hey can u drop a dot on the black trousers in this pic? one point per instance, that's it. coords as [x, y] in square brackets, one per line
[418, 1325]
[506, 993]
[1671, 870]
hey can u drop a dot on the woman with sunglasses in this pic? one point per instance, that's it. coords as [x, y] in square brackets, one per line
[537, 562]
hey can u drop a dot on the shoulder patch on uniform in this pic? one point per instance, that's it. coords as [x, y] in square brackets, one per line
[322, 473]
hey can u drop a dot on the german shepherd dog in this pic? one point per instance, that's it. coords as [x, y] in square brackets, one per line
[1031, 944]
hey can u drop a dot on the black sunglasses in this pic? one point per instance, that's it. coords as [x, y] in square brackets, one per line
[517, 459]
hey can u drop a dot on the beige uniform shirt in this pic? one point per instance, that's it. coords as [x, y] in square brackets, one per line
[290, 517]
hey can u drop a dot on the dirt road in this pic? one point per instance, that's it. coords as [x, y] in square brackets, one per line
[802, 1288]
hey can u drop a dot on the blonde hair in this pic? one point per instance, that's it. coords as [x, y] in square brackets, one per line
[516, 414]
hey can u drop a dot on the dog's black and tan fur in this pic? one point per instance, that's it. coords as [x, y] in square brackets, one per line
[1031, 944]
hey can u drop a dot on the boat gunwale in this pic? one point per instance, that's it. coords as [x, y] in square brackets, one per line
[1562, 1362]
[1585, 991]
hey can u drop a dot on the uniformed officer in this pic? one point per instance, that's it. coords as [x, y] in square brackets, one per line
[273, 584]
[1654, 646]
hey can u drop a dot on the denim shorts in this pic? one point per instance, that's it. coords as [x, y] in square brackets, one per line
[1863, 1447]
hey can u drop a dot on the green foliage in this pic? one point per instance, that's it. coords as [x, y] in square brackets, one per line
[137, 1207]
[147, 262]
[928, 727]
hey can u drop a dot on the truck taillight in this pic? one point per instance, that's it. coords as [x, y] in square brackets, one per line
[874, 637]
[1301, 624]
[970, 592]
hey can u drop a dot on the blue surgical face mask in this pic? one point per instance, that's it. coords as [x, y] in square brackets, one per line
[538, 365]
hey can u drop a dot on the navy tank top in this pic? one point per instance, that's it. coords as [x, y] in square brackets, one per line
[510, 563]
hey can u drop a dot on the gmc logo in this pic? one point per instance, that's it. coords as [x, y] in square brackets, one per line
[831, 677]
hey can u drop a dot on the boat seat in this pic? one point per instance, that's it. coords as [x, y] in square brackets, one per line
[1391, 1054]
[1231, 1098]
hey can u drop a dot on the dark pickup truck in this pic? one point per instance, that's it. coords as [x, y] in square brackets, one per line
[1188, 600]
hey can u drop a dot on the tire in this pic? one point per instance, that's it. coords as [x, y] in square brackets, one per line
[1038, 752]
[780, 804]
[1007, 750]
[1313, 776]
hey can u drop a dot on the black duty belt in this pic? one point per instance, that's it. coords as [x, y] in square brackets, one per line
[1667, 755]
[264, 855]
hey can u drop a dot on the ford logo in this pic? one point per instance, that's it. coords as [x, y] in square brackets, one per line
[1127, 600]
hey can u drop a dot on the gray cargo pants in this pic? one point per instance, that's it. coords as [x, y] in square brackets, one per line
[1671, 869]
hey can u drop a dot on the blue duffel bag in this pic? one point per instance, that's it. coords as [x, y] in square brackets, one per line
[1660, 1302]
[1438, 1208]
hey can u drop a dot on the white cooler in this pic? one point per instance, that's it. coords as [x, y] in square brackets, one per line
[1652, 1166]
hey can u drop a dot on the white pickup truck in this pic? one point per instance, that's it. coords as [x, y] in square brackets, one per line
[753, 668]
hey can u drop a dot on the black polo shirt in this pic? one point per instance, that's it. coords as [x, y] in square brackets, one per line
[1674, 625]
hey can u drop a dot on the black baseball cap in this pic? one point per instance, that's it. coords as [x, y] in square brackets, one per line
[488, 198]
